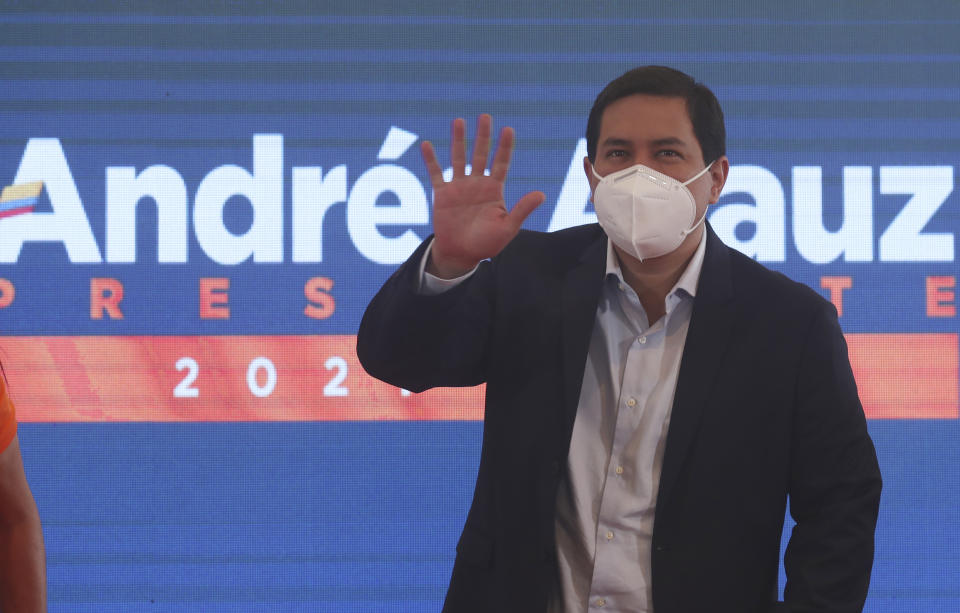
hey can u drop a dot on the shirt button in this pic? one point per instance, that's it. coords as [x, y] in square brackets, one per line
[620, 286]
[601, 602]
[642, 340]
[619, 470]
[609, 535]
[632, 402]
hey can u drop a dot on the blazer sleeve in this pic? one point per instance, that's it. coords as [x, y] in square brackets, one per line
[417, 341]
[834, 480]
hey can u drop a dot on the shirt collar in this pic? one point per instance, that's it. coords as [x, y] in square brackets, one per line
[687, 283]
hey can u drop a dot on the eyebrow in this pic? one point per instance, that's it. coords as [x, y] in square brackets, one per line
[660, 142]
[670, 140]
[617, 142]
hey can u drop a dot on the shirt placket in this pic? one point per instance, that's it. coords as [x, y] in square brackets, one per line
[637, 385]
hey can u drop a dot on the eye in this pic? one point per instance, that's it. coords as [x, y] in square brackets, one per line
[616, 153]
[669, 153]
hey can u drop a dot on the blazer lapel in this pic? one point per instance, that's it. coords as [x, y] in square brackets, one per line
[580, 296]
[711, 325]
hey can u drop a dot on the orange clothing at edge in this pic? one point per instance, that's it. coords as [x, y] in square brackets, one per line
[8, 417]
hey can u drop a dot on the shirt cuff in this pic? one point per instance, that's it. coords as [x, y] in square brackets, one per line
[431, 285]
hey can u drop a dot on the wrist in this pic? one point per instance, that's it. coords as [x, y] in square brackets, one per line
[446, 267]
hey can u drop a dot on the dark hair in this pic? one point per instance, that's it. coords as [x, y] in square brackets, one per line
[702, 106]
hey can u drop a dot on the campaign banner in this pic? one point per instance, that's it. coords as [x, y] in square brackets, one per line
[198, 201]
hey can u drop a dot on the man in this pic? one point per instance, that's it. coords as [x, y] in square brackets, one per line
[653, 398]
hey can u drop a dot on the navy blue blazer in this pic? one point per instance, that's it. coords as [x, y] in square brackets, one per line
[766, 407]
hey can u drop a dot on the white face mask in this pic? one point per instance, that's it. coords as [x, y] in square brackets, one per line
[645, 212]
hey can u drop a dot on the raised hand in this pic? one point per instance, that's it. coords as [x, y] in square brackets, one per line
[470, 217]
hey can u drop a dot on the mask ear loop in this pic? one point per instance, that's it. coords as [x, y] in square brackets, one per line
[698, 175]
[686, 233]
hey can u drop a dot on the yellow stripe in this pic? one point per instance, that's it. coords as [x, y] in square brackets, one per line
[24, 190]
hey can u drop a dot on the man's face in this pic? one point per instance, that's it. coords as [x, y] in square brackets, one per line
[655, 131]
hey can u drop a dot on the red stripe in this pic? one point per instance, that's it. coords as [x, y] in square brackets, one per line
[16, 211]
[134, 378]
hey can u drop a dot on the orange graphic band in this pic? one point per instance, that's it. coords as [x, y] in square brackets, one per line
[906, 376]
[318, 378]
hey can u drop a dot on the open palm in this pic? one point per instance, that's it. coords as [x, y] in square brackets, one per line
[470, 217]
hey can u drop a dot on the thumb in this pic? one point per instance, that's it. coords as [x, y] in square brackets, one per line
[526, 205]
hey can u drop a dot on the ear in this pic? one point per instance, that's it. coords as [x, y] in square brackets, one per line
[588, 170]
[718, 176]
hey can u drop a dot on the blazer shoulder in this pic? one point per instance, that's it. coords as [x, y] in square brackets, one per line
[773, 291]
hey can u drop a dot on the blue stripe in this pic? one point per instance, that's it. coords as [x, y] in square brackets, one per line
[414, 20]
[151, 90]
[399, 56]
[217, 125]
[9, 205]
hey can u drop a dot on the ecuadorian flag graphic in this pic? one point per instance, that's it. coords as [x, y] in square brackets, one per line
[17, 199]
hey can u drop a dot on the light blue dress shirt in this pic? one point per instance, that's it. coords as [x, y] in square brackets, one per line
[605, 507]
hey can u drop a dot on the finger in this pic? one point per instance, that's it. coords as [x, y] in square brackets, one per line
[481, 144]
[458, 150]
[501, 159]
[430, 161]
[526, 205]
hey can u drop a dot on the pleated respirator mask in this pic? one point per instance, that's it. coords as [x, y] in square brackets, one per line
[645, 212]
